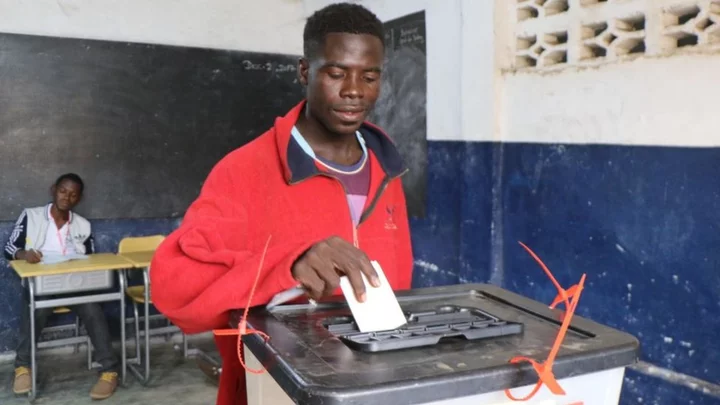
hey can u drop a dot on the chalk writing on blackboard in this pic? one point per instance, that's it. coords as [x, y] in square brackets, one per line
[280, 68]
[250, 65]
[411, 35]
[266, 66]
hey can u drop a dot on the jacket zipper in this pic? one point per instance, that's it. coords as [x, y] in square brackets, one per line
[383, 186]
[371, 207]
[356, 241]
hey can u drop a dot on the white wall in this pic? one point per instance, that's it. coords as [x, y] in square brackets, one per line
[664, 96]
[483, 51]
[251, 25]
[671, 101]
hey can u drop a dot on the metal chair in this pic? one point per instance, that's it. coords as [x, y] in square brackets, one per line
[75, 340]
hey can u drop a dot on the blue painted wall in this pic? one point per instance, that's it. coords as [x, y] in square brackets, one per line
[642, 222]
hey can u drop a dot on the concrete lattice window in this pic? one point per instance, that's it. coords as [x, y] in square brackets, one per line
[557, 33]
[691, 25]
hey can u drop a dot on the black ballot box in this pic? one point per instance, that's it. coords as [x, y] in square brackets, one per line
[455, 348]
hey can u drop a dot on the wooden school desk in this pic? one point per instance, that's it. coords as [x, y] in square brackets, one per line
[30, 274]
[141, 260]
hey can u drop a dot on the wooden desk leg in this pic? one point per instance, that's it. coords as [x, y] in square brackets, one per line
[33, 363]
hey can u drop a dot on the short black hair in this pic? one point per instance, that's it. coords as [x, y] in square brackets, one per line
[72, 177]
[346, 18]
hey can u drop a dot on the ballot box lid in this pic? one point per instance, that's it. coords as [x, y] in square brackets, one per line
[317, 356]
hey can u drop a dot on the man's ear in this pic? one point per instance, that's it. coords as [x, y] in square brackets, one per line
[53, 189]
[303, 71]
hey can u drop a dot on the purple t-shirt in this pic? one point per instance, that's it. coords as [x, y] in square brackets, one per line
[355, 178]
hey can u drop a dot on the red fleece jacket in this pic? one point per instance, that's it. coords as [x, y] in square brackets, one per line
[271, 187]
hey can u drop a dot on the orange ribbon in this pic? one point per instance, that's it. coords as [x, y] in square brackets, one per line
[570, 298]
[242, 328]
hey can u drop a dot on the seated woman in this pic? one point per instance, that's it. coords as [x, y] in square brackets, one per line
[55, 230]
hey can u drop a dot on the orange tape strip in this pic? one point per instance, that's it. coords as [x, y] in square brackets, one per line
[242, 325]
[570, 298]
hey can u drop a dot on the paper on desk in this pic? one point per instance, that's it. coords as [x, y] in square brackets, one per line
[52, 258]
[380, 311]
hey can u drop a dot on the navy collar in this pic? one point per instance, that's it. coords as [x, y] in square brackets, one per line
[298, 165]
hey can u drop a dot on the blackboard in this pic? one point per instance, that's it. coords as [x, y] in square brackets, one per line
[142, 124]
[402, 107]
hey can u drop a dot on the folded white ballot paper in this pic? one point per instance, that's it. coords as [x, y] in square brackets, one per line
[380, 311]
[51, 258]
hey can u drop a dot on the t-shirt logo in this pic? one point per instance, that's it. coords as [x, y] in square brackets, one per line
[390, 217]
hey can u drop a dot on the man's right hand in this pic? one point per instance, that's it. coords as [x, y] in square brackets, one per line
[30, 256]
[320, 268]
